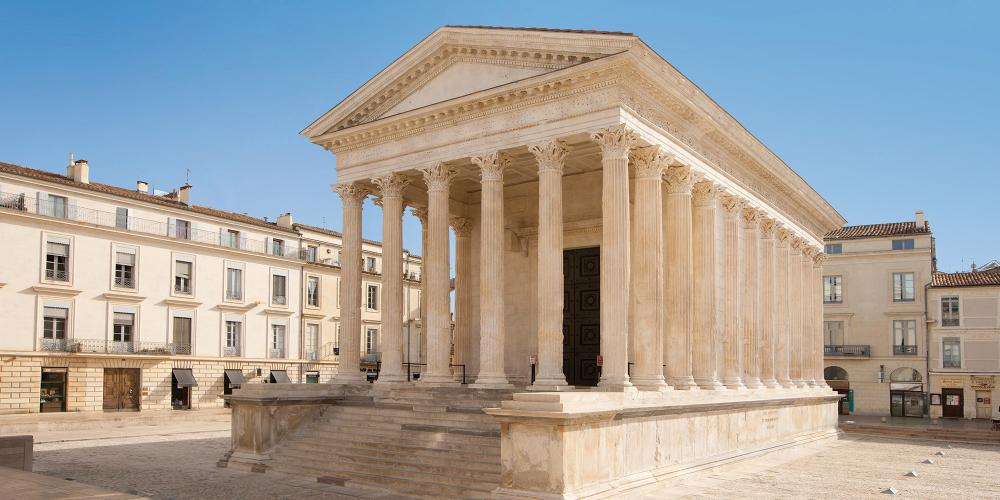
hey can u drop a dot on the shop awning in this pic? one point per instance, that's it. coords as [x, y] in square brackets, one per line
[235, 377]
[280, 377]
[184, 377]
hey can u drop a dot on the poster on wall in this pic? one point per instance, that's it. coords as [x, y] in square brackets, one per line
[936, 399]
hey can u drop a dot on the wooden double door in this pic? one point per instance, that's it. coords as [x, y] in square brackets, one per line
[581, 315]
[953, 403]
[121, 389]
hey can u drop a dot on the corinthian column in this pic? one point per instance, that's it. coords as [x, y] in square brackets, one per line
[550, 157]
[767, 304]
[491, 278]
[781, 299]
[818, 347]
[795, 312]
[705, 196]
[808, 290]
[678, 267]
[646, 297]
[463, 299]
[615, 143]
[349, 370]
[421, 215]
[732, 289]
[391, 198]
[751, 299]
[438, 179]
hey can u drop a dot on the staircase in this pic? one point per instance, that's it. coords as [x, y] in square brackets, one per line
[411, 442]
[972, 436]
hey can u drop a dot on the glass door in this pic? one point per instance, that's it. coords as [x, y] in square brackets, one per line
[896, 404]
[53, 391]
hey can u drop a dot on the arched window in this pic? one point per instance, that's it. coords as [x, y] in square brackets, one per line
[905, 375]
[835, 373]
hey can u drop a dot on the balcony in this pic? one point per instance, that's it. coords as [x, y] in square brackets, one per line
[231, 351]
[53, 345]
[848, 351]
[124, 282]
[311, 355]
[276, 353]
[56, 275]
[904, 350]
[97, 346]
[331, 349]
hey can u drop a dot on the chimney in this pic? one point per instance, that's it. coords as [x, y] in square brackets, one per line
[184, 194]
[142, 186]
[79, 171]
[285, 220]
[920, 219]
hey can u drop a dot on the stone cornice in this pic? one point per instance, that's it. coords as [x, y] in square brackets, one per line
[122, 297]
[55, 290]
[233, 307]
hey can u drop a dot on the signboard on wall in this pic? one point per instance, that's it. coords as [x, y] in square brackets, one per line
[982, 383]
[952, 382]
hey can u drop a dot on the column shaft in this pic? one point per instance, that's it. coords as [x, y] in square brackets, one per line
[809, 290]
[818, 350]
[705, 199]
[795, 312]
[349, 370]
[781, 298]
[751, 299]
[391, 342]
[438, 179]
[768, 332]
[678, 270]
[463, 298]
[732, 289]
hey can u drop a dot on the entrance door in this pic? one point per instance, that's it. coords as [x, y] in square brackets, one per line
[581, 315]
[896, 404]
[983, 406]
[913, 404]
[951, 406]
[121, 389]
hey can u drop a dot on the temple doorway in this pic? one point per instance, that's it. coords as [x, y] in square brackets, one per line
[581, 315]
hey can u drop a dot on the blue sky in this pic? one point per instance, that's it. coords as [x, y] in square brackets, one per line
[884, 107]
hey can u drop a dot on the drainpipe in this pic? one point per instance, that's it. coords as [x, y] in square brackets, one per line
[302, 309]
[927, 351]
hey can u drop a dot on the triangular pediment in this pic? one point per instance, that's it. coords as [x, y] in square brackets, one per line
[456, 61]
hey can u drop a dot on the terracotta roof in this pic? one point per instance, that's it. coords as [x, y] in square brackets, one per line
[965, 279]
[878, 230]
[551, 30]
[43, 175]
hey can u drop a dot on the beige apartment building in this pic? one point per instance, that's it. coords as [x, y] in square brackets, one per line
[126, 299]
[965, 344]
[874, 326]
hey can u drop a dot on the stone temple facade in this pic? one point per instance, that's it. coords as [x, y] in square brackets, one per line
[637, 281]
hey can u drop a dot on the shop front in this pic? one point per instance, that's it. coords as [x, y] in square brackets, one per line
[906, 393]
[53, 390]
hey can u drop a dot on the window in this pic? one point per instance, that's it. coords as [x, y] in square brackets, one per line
[311, 253]
[278, 247]
[54, 323]
[57, 261]
[902, 287]
[370, 264]
[233, 330]
[232, 239]
[277, 341]
[949, 311]
[833, 333]
[123, 327]
[182, 229]
[834, 248]
[373, 297]
[278, 295]
[312, 291]
[234, 283]
[182, 334]
[371, 340]
[124, 269]
[121, 218]
[58, 205]
[182, 276]
[902, 244]
[904, 336]
[312, 341]
[832, 293]
[951, 349]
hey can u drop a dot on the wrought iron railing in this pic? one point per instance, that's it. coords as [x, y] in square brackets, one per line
[908, 350]
[311, 355]
[231, 351]
[182, 288]
[372, 357]
[279, 299]
[56, 275]
[276, 353]
[862, 351]
[120, 347]
[54, 345]
[331, 349]
[124, 282]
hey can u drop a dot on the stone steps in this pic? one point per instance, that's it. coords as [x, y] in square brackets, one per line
[458, 442]
[350, 459]
[477, 456]
[383, 479]
[971, 436]
[449, 419]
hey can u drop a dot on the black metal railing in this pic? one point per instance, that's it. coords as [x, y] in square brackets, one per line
[861, 351]
[121, 347]
[231, 351]
[54, 345]
[908, 350]
[124, 282]
[56, 275]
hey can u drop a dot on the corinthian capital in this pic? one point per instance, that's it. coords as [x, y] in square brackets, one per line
[767, 226]
[807, 251]
[819, 259]
[350, 193]
[751, 218]
[461, 225]
[492, 165]
[782, 233]
[549, 155]
[420, 213]
[649, 162]
[391, 186]
[679, 179]
[438, 177]
[732, 205]
[705, 192]
[614, 141]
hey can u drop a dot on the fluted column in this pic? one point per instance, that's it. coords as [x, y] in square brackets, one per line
[705, 197]
[646, 297]
[550, 157]
[732, 290]
[808, 290]
[781, 298]
[795, 312]
[421, 214]
[491, 278]
[438, 179]
[751, 298]
[391, 342]
[818, 347]
[349, 370]
[679, 280]
[768, 332]
[615, 143]
[463, 296]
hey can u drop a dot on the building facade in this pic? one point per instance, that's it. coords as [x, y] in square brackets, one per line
[121, 299]
[964, 356]
[874, 323]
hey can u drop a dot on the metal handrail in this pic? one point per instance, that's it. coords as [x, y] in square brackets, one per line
[129, 347]
[231, 351]
[276, 353]
[858, 350]
[904, 349]
[56, 275]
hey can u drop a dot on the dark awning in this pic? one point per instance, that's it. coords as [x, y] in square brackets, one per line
[184, 377]
[280, 377]
[235, 377]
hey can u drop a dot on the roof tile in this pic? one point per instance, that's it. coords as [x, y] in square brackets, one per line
[878, 230]
[965, 279]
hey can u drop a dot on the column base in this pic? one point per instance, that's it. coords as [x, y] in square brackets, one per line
[709, 384]
[612, 387]
[683, 383]
[799, 384]
[550, 384]
[771, 384]
[437, 380]
[735, 384]
[657, 384]
[753, 383]
[786, 384]
[491, 382]
[812, 383]
[394, 378]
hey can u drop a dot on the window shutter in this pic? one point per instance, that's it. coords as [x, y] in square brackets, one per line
[42, 204]
[267, 245]
[171, 228]
[71, 209]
